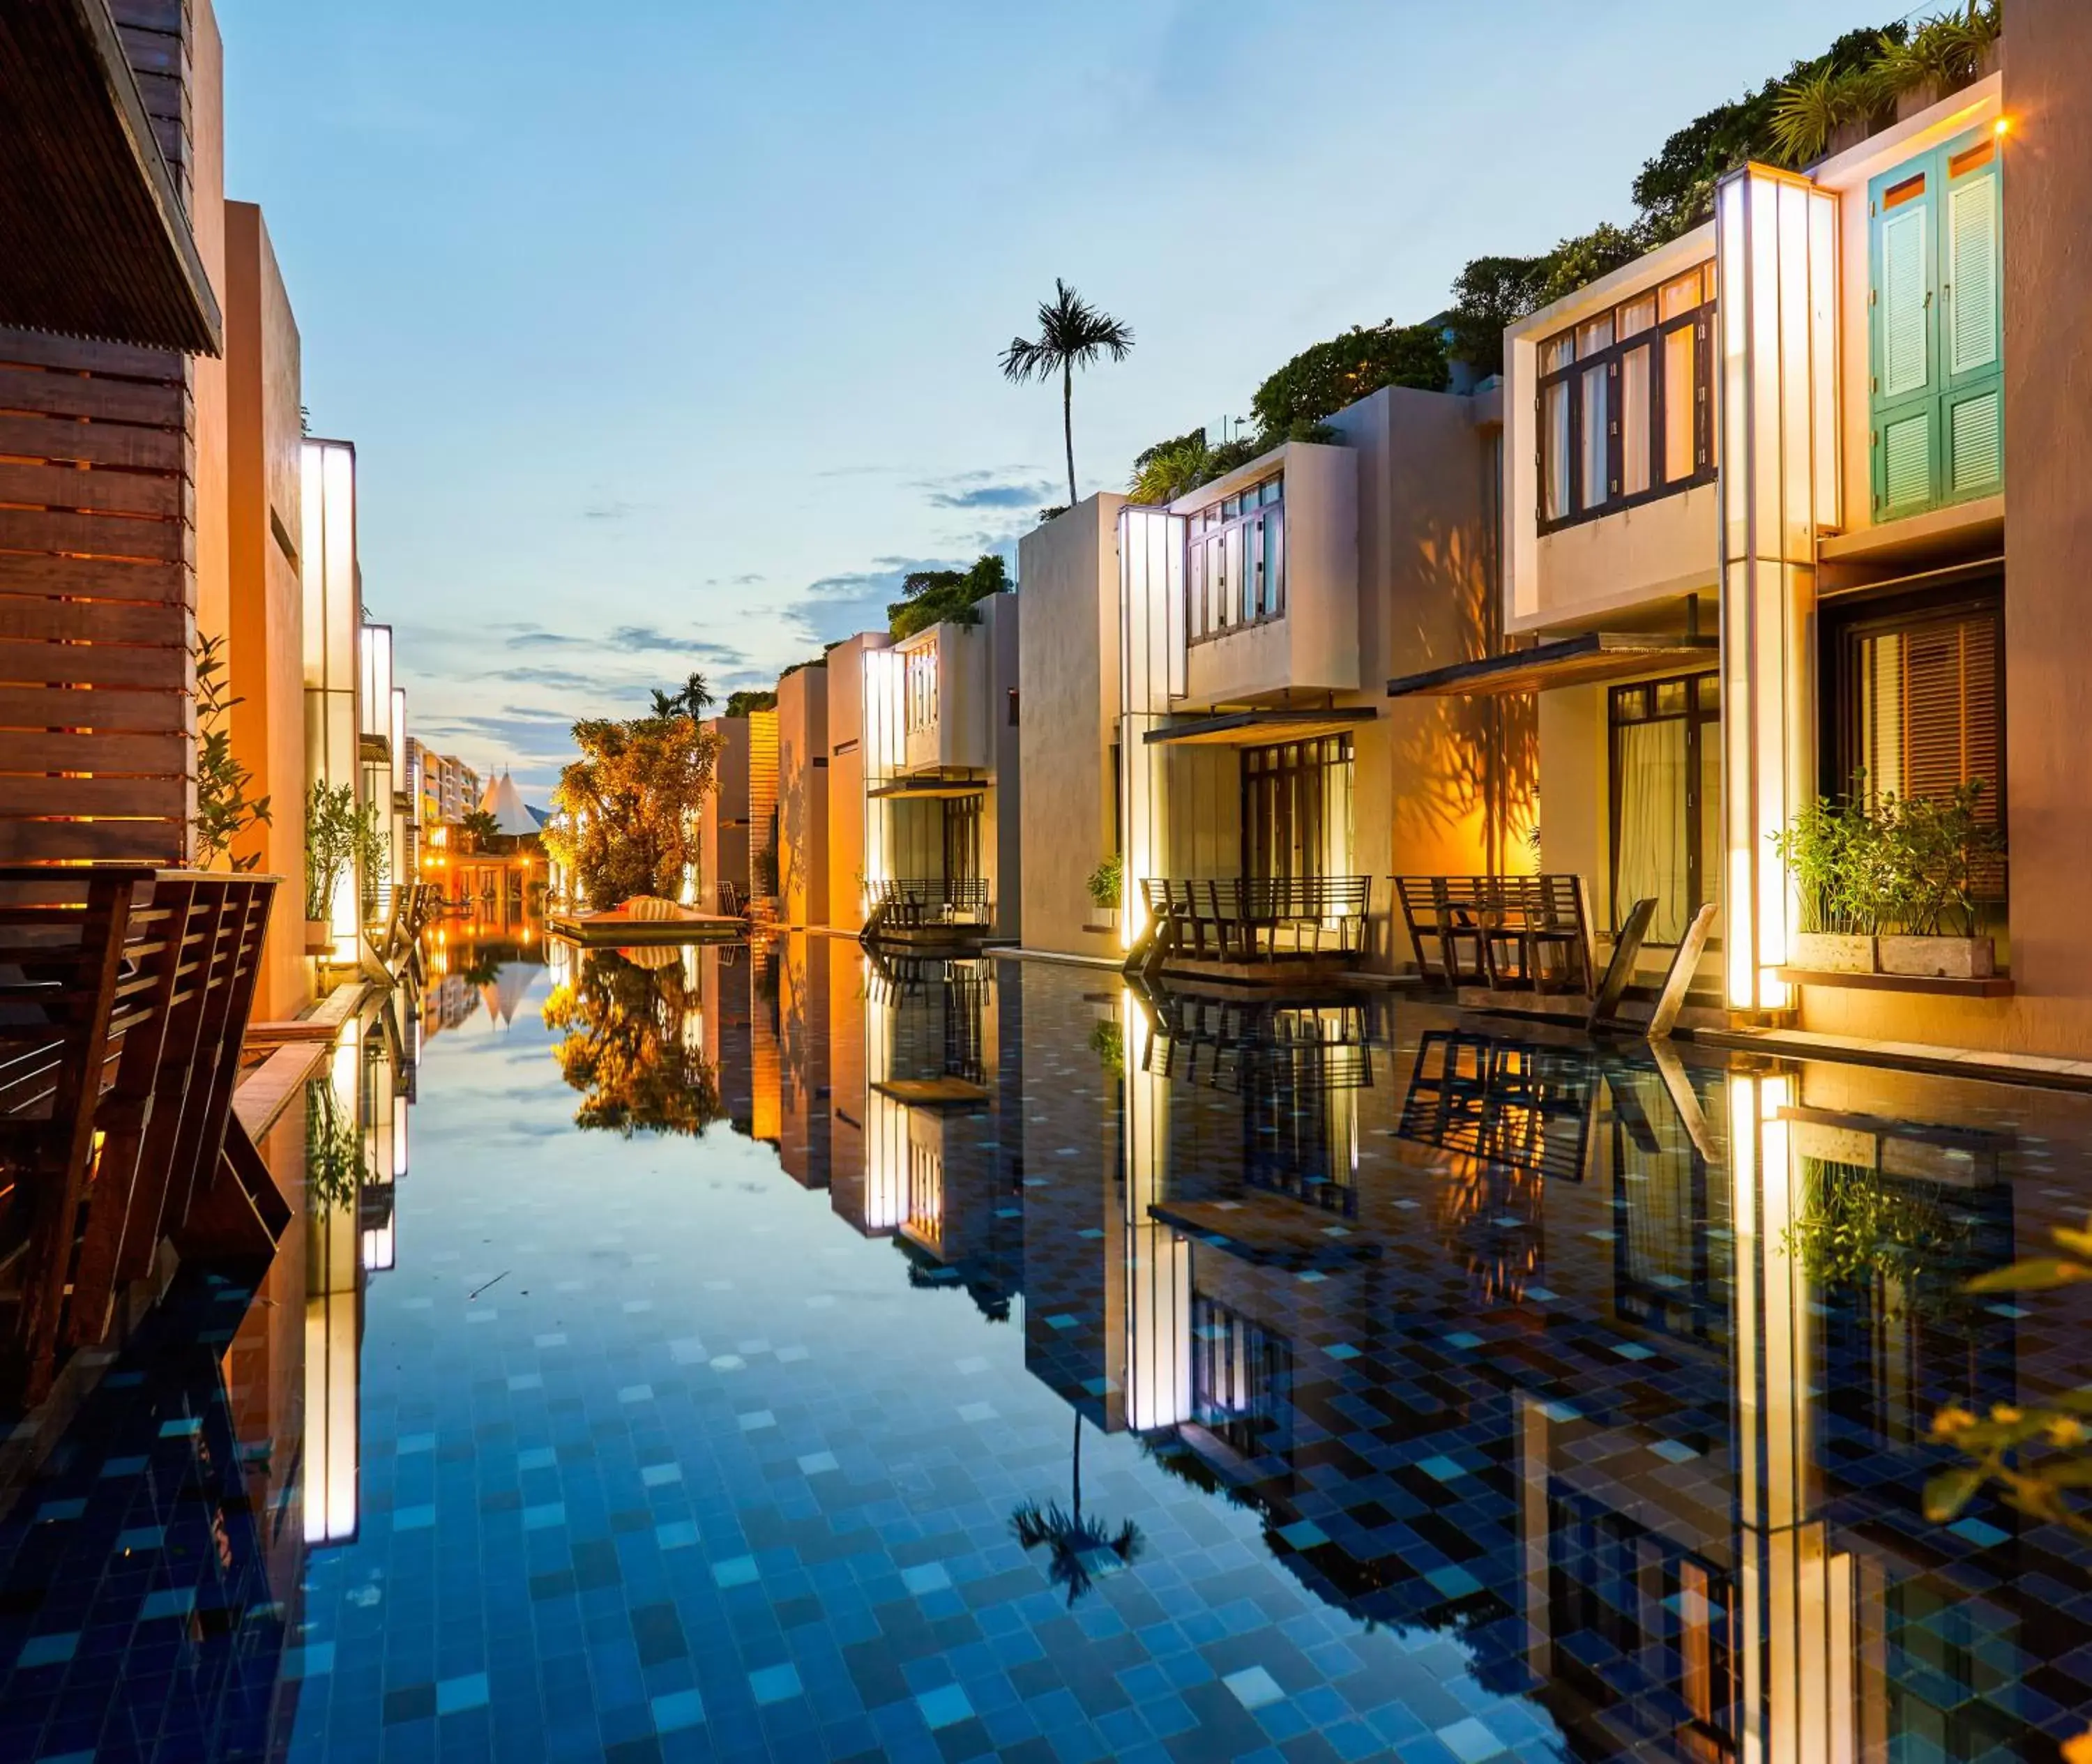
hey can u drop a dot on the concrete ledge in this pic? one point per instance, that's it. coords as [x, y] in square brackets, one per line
[2050, 1072]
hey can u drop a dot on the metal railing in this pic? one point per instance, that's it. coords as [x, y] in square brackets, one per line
[1258, 918]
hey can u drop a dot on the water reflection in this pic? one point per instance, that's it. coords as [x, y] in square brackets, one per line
[1598, 1376]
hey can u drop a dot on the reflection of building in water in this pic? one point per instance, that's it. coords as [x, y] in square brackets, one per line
[803, 999]
[740, 1001]
[1649, 1446]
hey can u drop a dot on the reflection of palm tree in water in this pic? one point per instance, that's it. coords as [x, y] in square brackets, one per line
[1080, 1548]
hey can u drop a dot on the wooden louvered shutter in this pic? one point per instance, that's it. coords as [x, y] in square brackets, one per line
[1950, 725]
[1906, 410]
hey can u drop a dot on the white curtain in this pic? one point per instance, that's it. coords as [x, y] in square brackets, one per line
[1651, 813]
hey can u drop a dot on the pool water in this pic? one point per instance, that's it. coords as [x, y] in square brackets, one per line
[773, 1353]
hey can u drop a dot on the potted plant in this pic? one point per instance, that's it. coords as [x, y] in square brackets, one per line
[1936, 847]
[332, 826]
[1106, 884]
[1828, 849]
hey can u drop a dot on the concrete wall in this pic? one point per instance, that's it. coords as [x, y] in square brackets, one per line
[1067, 668]
[1440, 786]
[802, 795]
[846, 725]
[723, 831]
[265, 613]
[1003, 812]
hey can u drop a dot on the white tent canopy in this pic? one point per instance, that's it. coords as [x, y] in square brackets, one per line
[504, 802]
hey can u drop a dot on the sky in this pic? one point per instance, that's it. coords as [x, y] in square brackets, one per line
[667, 332]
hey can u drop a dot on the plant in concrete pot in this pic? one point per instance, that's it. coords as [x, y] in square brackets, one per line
[331, 827]
[1105, 884]
[1936, 848]
[1832, 851]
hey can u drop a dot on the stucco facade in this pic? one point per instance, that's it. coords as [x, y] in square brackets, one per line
[802, 797]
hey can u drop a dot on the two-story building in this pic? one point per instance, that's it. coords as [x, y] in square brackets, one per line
[1754, 543]
[1265, 779]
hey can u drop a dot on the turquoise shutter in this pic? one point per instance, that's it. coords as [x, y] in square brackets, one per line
[1905, 411]
[1972, 284]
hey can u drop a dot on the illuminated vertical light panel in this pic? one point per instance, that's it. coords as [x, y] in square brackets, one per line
[885, 1121]
[1798, 1635]
[1151, 604]
[1158, 1260]
[333, 657]
[1776, 258]
[884, 745]
[333, 1285]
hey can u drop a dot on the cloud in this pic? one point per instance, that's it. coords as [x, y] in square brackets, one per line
[562, 678]
[613, 509]
[986, 490]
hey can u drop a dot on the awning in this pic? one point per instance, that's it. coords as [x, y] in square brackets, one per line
[940, 1093]
[97, 242]
[934, 784]
[1258, 728]
[1571, 661]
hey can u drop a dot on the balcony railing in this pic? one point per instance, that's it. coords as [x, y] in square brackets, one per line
[927, 903]
[1257, 919]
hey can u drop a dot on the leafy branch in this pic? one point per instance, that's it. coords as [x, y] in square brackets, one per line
[224, 811]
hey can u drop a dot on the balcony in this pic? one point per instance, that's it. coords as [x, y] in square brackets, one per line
[1271, 575]
[944, 682]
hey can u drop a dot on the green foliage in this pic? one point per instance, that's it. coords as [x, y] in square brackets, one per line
[1488, 294]
[625, 1047]
[224, 810]
[332, 830]
[1107, 882]
[628, 807]
[694, 699]
[479, 827]
[372, 856]
[2040, 1454]
[742, 703]
[1072, 334]
[1322, 379]
[1907, 864]
[1164, 472]
[1108, 1042]
[1865, 72]
[945, 596]
[335, 1169]
[1857, 1227]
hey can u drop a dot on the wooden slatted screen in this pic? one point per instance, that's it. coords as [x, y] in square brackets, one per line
[98, 555]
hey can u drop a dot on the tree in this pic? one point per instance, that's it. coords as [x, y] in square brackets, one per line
[629, 806]
[478, 829]
[224, 811]
[1078, 1546]
[693, 701]
[624, 1048]
[935, 596]
[1322, 379]
[741, 704]
[1072, 334]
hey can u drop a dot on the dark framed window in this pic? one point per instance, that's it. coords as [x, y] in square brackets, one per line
[1241, 1379]
[1626, 411]
[962, 832]
[1234, 565]
[1666, 798]
[1295, 803]
[1919, 705]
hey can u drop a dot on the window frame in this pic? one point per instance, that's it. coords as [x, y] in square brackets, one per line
[1841, 741]
[1197, 534]
[1569, 376]
[1703, 723]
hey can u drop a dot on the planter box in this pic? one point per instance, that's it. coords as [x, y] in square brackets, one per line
[1830, 952]
[1952, 958]
[319, 937]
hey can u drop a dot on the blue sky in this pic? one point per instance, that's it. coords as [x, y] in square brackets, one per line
[667, 333]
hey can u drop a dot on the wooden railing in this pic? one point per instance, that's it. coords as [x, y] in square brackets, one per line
[1254, 918]
[124, 995]
[924, 903]
[1529, 933]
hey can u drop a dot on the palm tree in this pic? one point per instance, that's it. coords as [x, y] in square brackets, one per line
[1072, 334]
[1079, 1546]
[693, 701]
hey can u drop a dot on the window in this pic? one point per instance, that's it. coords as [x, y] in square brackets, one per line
[1666, 772]
[1920, 706]
[921, 690]
[1235, 572]
[1625, 414]
[1937, 372]
[1296, 809]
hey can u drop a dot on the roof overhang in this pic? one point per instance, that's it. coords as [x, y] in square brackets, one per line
[1569, 661]
[954, 1094]
[1258, 728]
[98, 243]
[930, 784]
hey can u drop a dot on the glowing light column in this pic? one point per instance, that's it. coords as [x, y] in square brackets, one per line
[1158, 1260]
[1776, 253]
[1151, 648]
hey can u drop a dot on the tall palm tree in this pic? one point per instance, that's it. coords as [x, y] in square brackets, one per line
[692, 702]
[1078, 1546]
[1072, 334]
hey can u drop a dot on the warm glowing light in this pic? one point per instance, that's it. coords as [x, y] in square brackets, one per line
[2001, 126]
